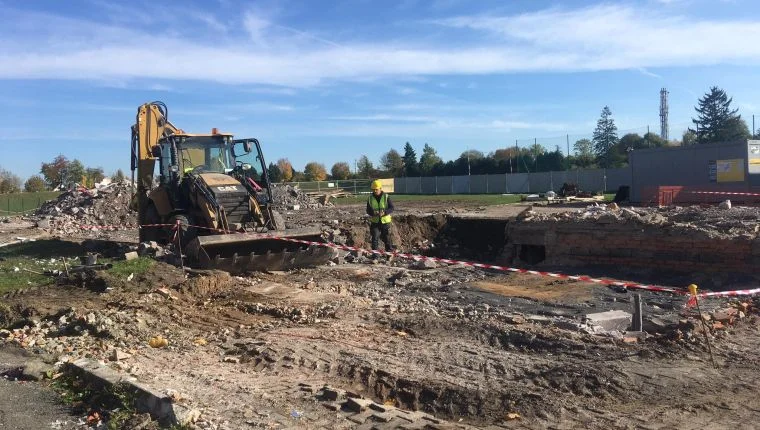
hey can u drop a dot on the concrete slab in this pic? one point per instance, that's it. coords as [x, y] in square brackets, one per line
[610, 320]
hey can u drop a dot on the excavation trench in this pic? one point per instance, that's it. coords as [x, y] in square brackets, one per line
[660, 254]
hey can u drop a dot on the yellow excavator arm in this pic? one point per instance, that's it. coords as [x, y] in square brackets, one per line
[150, 126]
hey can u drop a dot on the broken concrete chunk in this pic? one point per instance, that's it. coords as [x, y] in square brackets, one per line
[131, 255]
[425, 264]
[119, 355]
[610, 320]
[725, 204]
[357, 405]
[35, 370]
[659, 325]
[726, 315]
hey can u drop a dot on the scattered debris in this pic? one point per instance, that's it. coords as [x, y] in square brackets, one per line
[290, 197]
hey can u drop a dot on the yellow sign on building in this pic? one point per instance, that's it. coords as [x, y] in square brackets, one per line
[730, 170]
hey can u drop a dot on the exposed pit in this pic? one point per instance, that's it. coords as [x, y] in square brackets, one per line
[663, 253]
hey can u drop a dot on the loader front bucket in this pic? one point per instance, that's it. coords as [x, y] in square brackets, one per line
[248, 252]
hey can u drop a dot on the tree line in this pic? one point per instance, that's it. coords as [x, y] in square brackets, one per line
[59, 174]
[716, 122]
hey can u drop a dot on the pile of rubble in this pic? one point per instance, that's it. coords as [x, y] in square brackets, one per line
[107, 205]
[731, 221]
[290, 197]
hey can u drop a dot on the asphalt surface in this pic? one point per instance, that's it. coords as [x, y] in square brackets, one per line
[28, 405]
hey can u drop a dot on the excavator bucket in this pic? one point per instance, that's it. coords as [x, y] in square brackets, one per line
[249, 252]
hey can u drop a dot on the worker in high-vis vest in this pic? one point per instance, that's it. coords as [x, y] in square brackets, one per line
[379, 209]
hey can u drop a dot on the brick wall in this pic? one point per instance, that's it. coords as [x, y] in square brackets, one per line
[634, 245]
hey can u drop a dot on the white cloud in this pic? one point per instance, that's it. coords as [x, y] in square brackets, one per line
[606, 37]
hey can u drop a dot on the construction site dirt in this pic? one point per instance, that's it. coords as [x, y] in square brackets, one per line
[395, 343]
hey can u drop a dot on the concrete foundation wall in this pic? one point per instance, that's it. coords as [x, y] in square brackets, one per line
[634, 245]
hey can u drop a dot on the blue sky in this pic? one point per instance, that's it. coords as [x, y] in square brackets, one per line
[332, 80]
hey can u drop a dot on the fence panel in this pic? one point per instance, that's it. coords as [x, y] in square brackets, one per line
[461, 184]
[478, 184]
[413, 185]
[444, 184]
[559, 178]
[518, 183]
[428, 185]
[618, 177]
[591, 180]
[540, 182]
[399, 185]
[497, 183]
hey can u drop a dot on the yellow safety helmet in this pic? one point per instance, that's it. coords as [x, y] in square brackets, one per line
[377, 185]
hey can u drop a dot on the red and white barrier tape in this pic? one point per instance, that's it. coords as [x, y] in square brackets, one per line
[417, 257]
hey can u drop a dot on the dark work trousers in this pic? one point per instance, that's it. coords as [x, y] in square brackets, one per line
[380, 231]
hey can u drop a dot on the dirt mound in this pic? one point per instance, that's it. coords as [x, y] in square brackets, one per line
[104, 206]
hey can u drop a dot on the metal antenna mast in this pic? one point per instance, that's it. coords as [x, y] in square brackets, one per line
[664, 114]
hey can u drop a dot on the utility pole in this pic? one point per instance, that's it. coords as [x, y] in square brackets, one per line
[754, 130]
[535, 155]
[567, 138]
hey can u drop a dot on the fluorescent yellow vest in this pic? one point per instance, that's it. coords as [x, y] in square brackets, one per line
[379, 206]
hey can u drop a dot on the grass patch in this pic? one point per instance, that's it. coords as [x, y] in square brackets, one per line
[24, 265]
[22, 202]
[478, 199]
[115, 404]
[123, 268]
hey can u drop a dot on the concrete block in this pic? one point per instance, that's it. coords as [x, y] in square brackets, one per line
[147, 399]
[357, 405]
[610, 320]
[131, 255]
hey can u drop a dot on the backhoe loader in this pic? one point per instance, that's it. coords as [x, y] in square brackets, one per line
[213, 199]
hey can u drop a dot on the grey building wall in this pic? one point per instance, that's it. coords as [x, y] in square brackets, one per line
[685, 166]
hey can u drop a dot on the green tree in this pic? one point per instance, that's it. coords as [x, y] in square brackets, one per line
[315, 171]
[34, 184]
[716, 121]
[274, 173]
[584, 152]
[471, 154]
[118, 176]
[429, 159]
[652, 140]
[605, 138]
[689, 138]
[365, 167]
[9, 183]
[286, 170]
[631, 141]
[74, 173]
[341, 170]
[536, 150]
[392, 162]
[55, 171]
[411, 166]
[94, 175]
